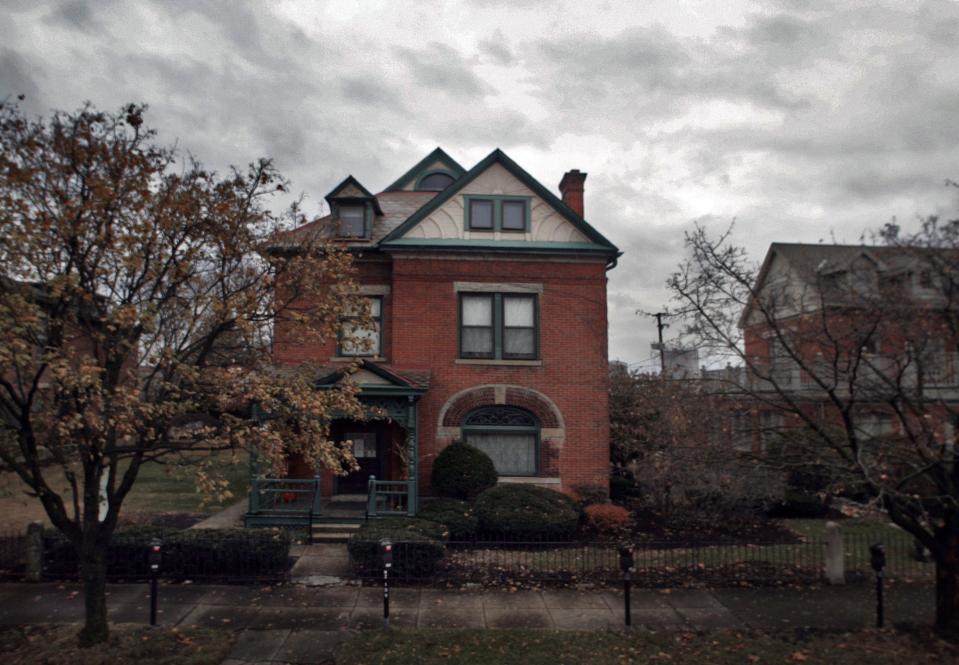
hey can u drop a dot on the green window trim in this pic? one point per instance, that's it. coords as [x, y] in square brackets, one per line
[530, 429]
[377, 320]
[426, 174]
[497, 202]
[498, 327]
[367, 217]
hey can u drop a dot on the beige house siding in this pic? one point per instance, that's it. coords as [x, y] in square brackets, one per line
[447, 221]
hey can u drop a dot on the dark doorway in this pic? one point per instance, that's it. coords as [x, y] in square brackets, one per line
[369, 449]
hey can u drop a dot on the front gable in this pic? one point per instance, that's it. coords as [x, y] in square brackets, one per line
[435, 162]
[550, 223]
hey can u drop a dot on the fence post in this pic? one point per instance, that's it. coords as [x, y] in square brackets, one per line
[34, 551]
[835, 554]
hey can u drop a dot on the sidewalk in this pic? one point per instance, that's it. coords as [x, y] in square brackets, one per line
[298, 624]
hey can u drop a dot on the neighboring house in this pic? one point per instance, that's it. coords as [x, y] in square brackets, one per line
[489, 298]
[874, 324]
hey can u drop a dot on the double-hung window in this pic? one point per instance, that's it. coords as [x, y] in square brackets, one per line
[357, 339]
[499, 325]
[352, 221]
[510, 214]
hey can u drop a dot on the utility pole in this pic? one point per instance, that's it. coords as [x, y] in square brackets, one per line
[662, 349]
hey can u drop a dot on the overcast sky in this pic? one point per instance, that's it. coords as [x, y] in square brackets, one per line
[800, 120]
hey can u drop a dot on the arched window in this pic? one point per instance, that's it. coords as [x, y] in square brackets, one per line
[434, 182]
[509, 435]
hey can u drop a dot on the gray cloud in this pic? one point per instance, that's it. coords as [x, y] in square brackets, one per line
[441, 67]
[800, 120]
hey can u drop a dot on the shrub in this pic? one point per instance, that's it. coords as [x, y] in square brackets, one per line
[591, 494]
[526, 511]
[608, 520]
[623, 488]
[457, 516]
[194, 553]
[415, 554]
[799, 505]
[462, 471]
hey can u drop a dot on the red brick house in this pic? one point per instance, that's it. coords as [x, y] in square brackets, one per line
[876, 325]
[489, 298]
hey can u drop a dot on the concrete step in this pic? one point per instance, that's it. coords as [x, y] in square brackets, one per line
[331, 536]
[335, 526]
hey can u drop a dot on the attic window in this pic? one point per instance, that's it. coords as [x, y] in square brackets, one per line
[352, 221]
[435, 182]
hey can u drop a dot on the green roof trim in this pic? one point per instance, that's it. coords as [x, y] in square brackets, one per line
[419, 169]
[496, 245]
[350, 180]
[498, 156]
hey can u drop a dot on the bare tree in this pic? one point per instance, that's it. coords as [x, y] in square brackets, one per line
[139, 296]
[673, 437]
[849, 355]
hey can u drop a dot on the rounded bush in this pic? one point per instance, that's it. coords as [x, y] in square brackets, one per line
[415, 555]
[462, 471]
[457, 516]
[608, 520]
[526, 512]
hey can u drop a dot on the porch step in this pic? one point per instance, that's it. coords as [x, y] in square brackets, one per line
[333, 532]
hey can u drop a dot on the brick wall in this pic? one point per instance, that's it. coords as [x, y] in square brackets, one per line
[420, 319]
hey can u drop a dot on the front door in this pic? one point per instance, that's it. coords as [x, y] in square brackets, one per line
[367, 451]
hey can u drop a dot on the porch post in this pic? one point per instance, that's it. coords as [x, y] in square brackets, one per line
[254, 485]
[413, 462]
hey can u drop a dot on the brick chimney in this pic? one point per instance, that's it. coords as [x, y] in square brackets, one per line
[571, 187]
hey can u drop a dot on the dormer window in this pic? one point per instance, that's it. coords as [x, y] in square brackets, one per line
[352, 221]
[435, 182]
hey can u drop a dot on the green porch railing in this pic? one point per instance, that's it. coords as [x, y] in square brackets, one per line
[286, 497]
[390, 498]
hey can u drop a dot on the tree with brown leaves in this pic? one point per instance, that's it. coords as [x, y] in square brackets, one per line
[137, 304]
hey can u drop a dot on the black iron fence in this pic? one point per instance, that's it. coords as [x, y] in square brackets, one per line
[13, 553]
[656, 564]
[245, 555]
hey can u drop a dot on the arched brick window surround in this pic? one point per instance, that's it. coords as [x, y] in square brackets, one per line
[465, 401]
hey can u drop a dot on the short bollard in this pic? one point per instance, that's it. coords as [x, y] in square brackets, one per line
[878, 560]
[627, 565]
[386, 547]
[154, 573]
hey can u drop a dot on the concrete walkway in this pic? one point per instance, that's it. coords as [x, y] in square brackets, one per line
[228, 518]
[303, 625]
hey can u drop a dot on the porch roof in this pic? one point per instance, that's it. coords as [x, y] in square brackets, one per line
[378, 379]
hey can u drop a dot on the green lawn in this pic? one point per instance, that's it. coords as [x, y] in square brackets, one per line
[170, 487]
[494, 647]
[57, 645]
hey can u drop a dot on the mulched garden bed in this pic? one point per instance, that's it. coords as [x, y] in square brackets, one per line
[667, 531]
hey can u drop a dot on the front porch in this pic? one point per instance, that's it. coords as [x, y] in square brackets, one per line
[386, 451]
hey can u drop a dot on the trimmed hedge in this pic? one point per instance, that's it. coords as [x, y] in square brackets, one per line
[457, 516]
[526, 512]
[462, 471]
[608, 520]
[189, 554]
[418, 546]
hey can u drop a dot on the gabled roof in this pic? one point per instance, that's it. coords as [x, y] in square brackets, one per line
[396, 381]
[351, 181]
[498, 156]
[810, 261]
[438, 155]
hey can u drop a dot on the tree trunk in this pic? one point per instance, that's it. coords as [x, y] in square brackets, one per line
[947, 586]
[93, 572]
